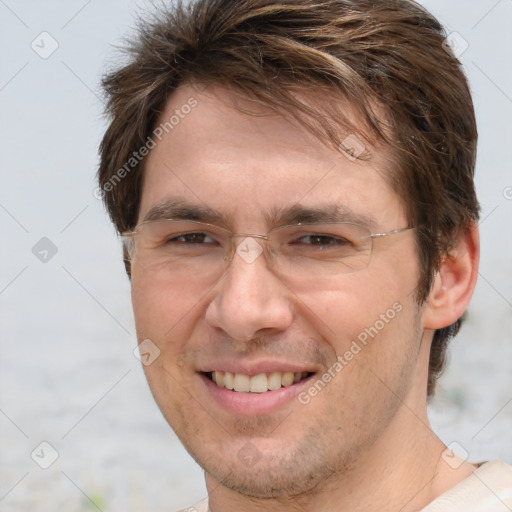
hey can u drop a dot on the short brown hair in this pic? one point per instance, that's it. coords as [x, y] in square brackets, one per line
[387, 58]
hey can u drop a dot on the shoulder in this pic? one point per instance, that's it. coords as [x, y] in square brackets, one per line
[202, 506]
[487, 489]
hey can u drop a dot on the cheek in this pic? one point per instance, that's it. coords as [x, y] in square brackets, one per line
[353, 305]
[160, 316]
[369, 318]
[154, 321]
[148, 307]
[160, 307]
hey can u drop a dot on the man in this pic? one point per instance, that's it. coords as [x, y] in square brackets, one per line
[294, 184]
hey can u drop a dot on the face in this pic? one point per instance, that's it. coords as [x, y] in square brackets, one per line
[326, 345]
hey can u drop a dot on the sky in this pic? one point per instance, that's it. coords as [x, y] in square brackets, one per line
[68, 375]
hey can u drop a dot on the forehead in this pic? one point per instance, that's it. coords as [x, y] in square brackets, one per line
[209, 152]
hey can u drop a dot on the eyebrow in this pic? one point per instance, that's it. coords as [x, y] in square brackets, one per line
[297, 214]
[331, 212]
[183, 210]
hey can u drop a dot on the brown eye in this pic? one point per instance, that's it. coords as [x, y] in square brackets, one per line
[192, 238]
[321, 240]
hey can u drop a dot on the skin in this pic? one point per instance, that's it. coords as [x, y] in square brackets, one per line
[364, 442]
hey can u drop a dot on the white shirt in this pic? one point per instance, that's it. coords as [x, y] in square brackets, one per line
[488, 489]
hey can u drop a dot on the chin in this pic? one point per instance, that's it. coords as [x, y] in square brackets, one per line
[268, 481]
[277, 473]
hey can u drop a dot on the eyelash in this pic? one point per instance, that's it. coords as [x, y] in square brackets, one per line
[175, 239]
[329, 239]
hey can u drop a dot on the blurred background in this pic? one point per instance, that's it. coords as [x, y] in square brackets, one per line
[68, 376]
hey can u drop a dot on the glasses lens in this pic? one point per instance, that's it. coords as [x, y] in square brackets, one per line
[302, 253]
[321, 249]
[188, 248]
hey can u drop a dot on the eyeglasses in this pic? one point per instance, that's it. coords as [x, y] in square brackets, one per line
[191, 250]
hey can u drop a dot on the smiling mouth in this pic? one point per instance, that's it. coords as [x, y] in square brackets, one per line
[260, 383]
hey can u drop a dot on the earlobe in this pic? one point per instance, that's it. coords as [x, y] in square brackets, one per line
[454, 282]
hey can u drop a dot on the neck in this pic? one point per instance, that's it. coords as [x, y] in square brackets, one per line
[402, 471]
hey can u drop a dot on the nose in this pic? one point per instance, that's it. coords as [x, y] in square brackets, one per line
[250, 300]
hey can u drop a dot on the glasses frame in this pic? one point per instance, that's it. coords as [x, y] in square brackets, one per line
[231, 249]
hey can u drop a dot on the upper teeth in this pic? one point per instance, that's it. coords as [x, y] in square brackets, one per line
[258, 383]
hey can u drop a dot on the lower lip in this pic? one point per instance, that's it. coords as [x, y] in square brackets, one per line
[254, 403]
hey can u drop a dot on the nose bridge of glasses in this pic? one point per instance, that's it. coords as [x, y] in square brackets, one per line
[250, 235]
[243, 236]
[246, 245]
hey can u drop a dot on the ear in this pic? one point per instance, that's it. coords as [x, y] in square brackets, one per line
[454, 282]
